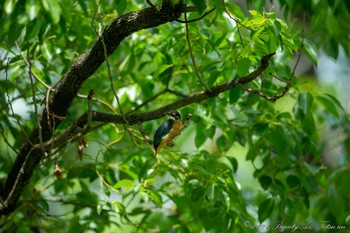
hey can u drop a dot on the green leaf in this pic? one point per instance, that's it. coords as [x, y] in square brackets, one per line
[33, 29]
[121, 6]
[235, 10]
[280, 139]
[200, 4]
[305, 101]
[336, 101]
[265, 181]
[83, 6]
[82, 171]
[254, 13]
[223, 143]
[86, 197]
[293, 182]
[211, 131]
[119, 207]
[309, 125]
[201, 136]
[54, 9]
[99, 209]
[127, 184]
[14, 32]
[197, 194]
[156, 197]
[32, 9]
[333, 25]
[139, 210]
[162, 69]
[9, 6]
[235, 94]
[328, 104]
[265, 209]
[43, 205]
[243, 67]
[234, 163]
[310, 50]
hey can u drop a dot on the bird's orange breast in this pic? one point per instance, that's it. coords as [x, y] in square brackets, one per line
[177, 126]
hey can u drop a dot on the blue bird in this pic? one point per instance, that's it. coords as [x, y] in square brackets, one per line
[167, 131]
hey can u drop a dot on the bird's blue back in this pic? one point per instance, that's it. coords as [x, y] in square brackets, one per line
[163, 130]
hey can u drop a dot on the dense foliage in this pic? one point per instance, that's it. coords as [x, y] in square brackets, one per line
[256, 157]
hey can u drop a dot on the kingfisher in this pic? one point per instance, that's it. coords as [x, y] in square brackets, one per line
[167, 131]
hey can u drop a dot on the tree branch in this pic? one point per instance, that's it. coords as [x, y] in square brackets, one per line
[195, 98]
[139, 118]
[67, 88]
[79, 127]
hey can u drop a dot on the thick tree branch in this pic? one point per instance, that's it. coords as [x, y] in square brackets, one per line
[196, 98]
[67, 88]
[81, 126]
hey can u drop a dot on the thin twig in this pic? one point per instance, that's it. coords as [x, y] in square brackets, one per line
[288, 82]
[195, 98]
[107, 61]
[176, 93]
[37, 116]
[144, 133]
[74, 131]
[3, 203]
[89, 120]
[96, 162]
[98, 101]
[299, 50]
[30, 69]
[151, 5]
[10, 104]
[7, 142]
[233, 17]
[19, 174]
[47, 101]
[197, 19]
[193, 59]
[70, 135]
[148, 101]
[265, 96]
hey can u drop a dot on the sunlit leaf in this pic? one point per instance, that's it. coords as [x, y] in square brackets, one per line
[9, 6]
[127, 184]
[54, 9]
[32, 9]
[99, 209]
